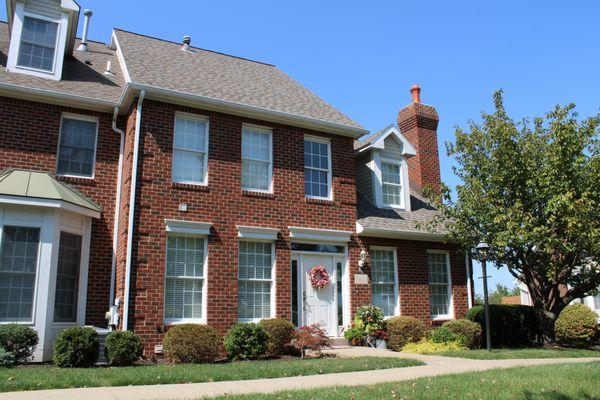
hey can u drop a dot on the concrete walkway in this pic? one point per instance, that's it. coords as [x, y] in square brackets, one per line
[435, 365]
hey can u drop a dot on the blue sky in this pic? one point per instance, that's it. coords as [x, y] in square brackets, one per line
[362, 57]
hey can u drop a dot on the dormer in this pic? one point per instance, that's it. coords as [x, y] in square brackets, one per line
[382, 168]
[42, 32]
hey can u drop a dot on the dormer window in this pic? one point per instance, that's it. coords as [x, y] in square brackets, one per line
[38, 44]
[391, 183]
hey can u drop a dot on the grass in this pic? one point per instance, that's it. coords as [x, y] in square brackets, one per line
[49, 377]
[502, 354]
[549, 382]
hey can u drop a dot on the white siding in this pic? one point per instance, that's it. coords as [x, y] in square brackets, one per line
[47, 8]
[393, 149]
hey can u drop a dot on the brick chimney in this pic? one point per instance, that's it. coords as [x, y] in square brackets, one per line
[418, 123]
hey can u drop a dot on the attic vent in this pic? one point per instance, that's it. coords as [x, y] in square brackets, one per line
[83, 47]
[186, 44]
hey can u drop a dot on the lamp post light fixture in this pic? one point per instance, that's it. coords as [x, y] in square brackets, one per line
[482, 250]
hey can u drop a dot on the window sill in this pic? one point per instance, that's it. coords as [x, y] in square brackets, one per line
[312, 200]
[190, 186]
[82, 180]
[252, 193]
[168, 323]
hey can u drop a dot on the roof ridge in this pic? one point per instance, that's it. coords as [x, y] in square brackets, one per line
[195, 48]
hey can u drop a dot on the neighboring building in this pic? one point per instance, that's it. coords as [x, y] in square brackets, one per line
[169, 184]
[592, 302]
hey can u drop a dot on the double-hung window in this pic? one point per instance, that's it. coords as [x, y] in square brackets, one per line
[257, 164]
[18, 268]
[184, 278]
[190, 149]
[384, 280]
[391, 184]
[38, 44]
[317, 168]
[440, 285]
[67, 278]
[77, 146]
[255, 280]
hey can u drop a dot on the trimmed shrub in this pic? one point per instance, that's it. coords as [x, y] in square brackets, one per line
[355, 335]
[246, 341]
[403, 330]
[511, 325]
[191, 343]
[371, 317]
[280, 332]
[444, 335]
[7, 360]
[576, 326]
[311, 337]
[429, 347]
[123, 348]
[76, 347]
[471, 331]
[18, 340]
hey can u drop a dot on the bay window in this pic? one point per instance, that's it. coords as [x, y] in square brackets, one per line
[67, 278]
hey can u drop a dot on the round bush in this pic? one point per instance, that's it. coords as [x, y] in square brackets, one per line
[279, 332]
[576, 326]
[471, 331]
[76, 347]
[7, 360]
[123, 348]
[444, 335]
[246, 341]
[18, 340]
[191, 343]
[403, 330]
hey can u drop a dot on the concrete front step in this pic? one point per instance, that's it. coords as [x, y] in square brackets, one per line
[339, 342]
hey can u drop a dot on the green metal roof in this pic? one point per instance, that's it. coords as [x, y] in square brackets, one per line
[42, 185]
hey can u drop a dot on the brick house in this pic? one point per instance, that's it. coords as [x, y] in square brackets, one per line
[154, 183]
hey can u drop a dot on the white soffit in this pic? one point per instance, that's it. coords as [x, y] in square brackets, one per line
[319, 235]
[396, 234]
[188, 227]
[256, 232]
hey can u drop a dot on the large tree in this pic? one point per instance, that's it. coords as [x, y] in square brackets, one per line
[531, 190]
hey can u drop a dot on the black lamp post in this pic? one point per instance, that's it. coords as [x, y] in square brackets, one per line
[482, 250]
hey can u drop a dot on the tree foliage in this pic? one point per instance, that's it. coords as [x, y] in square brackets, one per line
[531, 190]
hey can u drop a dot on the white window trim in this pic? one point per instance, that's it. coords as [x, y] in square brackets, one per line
[329, 167]
[34, 225]
[269, 132]
[377, 182]
[396, 284]
[450, 314]
[79, 117]
[204, 300]
[273, 297]
[401, 184]
[199, 118]
[59, 48]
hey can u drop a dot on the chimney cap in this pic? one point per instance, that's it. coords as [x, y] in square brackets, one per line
[87, 12]
[187, 39]
[415, 92]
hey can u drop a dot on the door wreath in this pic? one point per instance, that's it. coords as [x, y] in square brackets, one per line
[319, 277]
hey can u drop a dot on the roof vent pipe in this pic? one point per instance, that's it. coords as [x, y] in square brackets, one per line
[86, 24]
[186, 43]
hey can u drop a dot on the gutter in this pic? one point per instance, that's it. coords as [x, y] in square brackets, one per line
[117, 214]
[136, 149]
[396, 234]
[469, 279]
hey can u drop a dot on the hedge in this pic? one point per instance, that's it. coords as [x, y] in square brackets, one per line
[512, 326]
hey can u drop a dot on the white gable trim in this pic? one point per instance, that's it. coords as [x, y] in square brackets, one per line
[256, 232]
[407, 148]
[188, 227]
[49, 203]
[319, 235]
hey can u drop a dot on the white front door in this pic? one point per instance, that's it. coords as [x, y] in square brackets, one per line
[319, 306]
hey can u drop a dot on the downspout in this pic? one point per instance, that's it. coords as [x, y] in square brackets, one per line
[113, 271]
[136, 149]
[469, 279]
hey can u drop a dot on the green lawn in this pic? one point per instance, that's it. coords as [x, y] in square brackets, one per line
[551, 382]
[501, 354]
[33, 378]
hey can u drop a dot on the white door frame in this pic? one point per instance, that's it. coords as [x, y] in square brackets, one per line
[335, 259]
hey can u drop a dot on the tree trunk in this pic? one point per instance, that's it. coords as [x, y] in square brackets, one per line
[548, 309]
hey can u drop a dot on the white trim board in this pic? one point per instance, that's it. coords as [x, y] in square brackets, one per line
[256, 232]
[396, 234]
[51, 203]
[319, 235]
[188, 227]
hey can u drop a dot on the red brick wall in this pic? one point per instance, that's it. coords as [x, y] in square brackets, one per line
[418, 123]
[29, 134]
[225, 205]
[413, 282]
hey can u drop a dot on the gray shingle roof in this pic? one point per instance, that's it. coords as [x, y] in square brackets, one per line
[163, 64]
[79, 78]
[371, 217]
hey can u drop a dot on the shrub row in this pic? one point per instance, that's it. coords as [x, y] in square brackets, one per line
[512, 326]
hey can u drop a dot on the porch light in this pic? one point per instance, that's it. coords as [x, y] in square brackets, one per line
[363, 260]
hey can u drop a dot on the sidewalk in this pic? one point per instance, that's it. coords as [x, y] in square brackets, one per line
[435, 365]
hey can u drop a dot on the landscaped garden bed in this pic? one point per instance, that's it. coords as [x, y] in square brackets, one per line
[551, 382]
[50, 377]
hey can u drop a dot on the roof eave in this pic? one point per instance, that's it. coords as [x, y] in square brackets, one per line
[397, 234]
